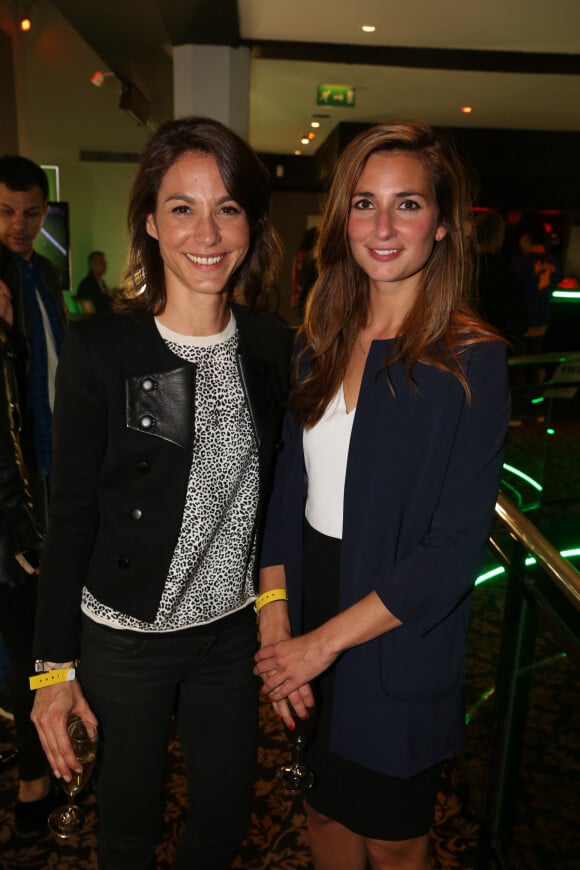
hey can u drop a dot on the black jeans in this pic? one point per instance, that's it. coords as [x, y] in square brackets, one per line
[135, 682]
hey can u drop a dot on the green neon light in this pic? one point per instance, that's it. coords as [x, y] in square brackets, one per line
[529, 561]
[497, 572]
[568, 554]
[537, 401]
[516, 494]
[523, 476]
[550, 431]
[566, 294]
[489, 575]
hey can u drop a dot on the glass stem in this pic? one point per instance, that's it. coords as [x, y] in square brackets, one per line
[297, 753]
[69, 805]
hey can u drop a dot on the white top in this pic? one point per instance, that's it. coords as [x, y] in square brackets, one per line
[325, 455]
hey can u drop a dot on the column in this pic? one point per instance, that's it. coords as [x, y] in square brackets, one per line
[214, 81]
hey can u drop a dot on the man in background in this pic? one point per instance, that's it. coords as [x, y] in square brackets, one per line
[35, 333]
[92, 289]
[539, 271]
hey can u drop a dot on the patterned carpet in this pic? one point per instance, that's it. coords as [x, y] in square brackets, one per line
[547, 811]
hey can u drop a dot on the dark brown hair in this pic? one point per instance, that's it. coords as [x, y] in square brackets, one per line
[20, 173]
[246, 180]
[440, 321]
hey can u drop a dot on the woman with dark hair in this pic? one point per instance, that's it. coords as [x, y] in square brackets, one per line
[166, 423]
[383, 499]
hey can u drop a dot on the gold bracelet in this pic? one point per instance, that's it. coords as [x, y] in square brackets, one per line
[49, 678]
[270, 595]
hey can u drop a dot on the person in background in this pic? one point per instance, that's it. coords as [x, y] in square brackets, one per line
[383, 499]
[306, 249]
[539, 271]
[92, 290]
[499, 293]
[20, 533]
[500, 299]
[35, 335]
[167, 422]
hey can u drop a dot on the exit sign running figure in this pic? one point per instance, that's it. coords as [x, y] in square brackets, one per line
[335, 95]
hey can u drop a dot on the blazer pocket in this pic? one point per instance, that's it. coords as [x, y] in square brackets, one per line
[161, 404]
[425, 668]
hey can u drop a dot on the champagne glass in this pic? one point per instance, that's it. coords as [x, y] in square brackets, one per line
[297, 776]
[68, 820]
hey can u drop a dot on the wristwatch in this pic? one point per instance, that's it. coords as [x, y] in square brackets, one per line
[43, 667]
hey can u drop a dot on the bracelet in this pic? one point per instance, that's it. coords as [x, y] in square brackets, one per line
[49, 678]
[270, 595]
[41, 666]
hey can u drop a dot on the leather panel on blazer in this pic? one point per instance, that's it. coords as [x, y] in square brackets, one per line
[161, 404]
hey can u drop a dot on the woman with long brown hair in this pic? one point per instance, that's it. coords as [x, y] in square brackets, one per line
[383, 498]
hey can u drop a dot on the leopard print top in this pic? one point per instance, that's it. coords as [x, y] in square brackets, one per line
[210, 574]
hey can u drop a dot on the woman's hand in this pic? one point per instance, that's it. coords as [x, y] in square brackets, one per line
[273, 627]
[53, 707]
[287, 667]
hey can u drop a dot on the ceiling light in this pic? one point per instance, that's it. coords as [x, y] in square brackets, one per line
[297, 152]
[311, 136]
[467, 110]
[25, 20]
[315, 124]
[368, 28]
[304, 141]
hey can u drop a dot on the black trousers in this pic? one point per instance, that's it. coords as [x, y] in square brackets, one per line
[135, 683]
[17, 609]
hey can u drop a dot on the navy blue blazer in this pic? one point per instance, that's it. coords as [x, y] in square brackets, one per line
[422, 478]
[123, 440]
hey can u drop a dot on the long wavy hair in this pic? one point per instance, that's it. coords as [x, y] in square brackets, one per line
[247, 181]
[440, 322]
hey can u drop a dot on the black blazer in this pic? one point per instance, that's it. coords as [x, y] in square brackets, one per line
[123, 440]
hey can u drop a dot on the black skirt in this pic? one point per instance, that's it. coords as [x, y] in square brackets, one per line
[367, 802]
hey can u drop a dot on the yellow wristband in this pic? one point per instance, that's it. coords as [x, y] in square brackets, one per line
[62, 675]
[271, 595]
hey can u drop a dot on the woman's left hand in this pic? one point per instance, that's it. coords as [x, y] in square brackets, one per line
[287, 665]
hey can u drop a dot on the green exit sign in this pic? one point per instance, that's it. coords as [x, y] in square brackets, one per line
[335, 95]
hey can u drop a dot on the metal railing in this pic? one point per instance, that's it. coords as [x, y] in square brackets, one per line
[547, 595]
